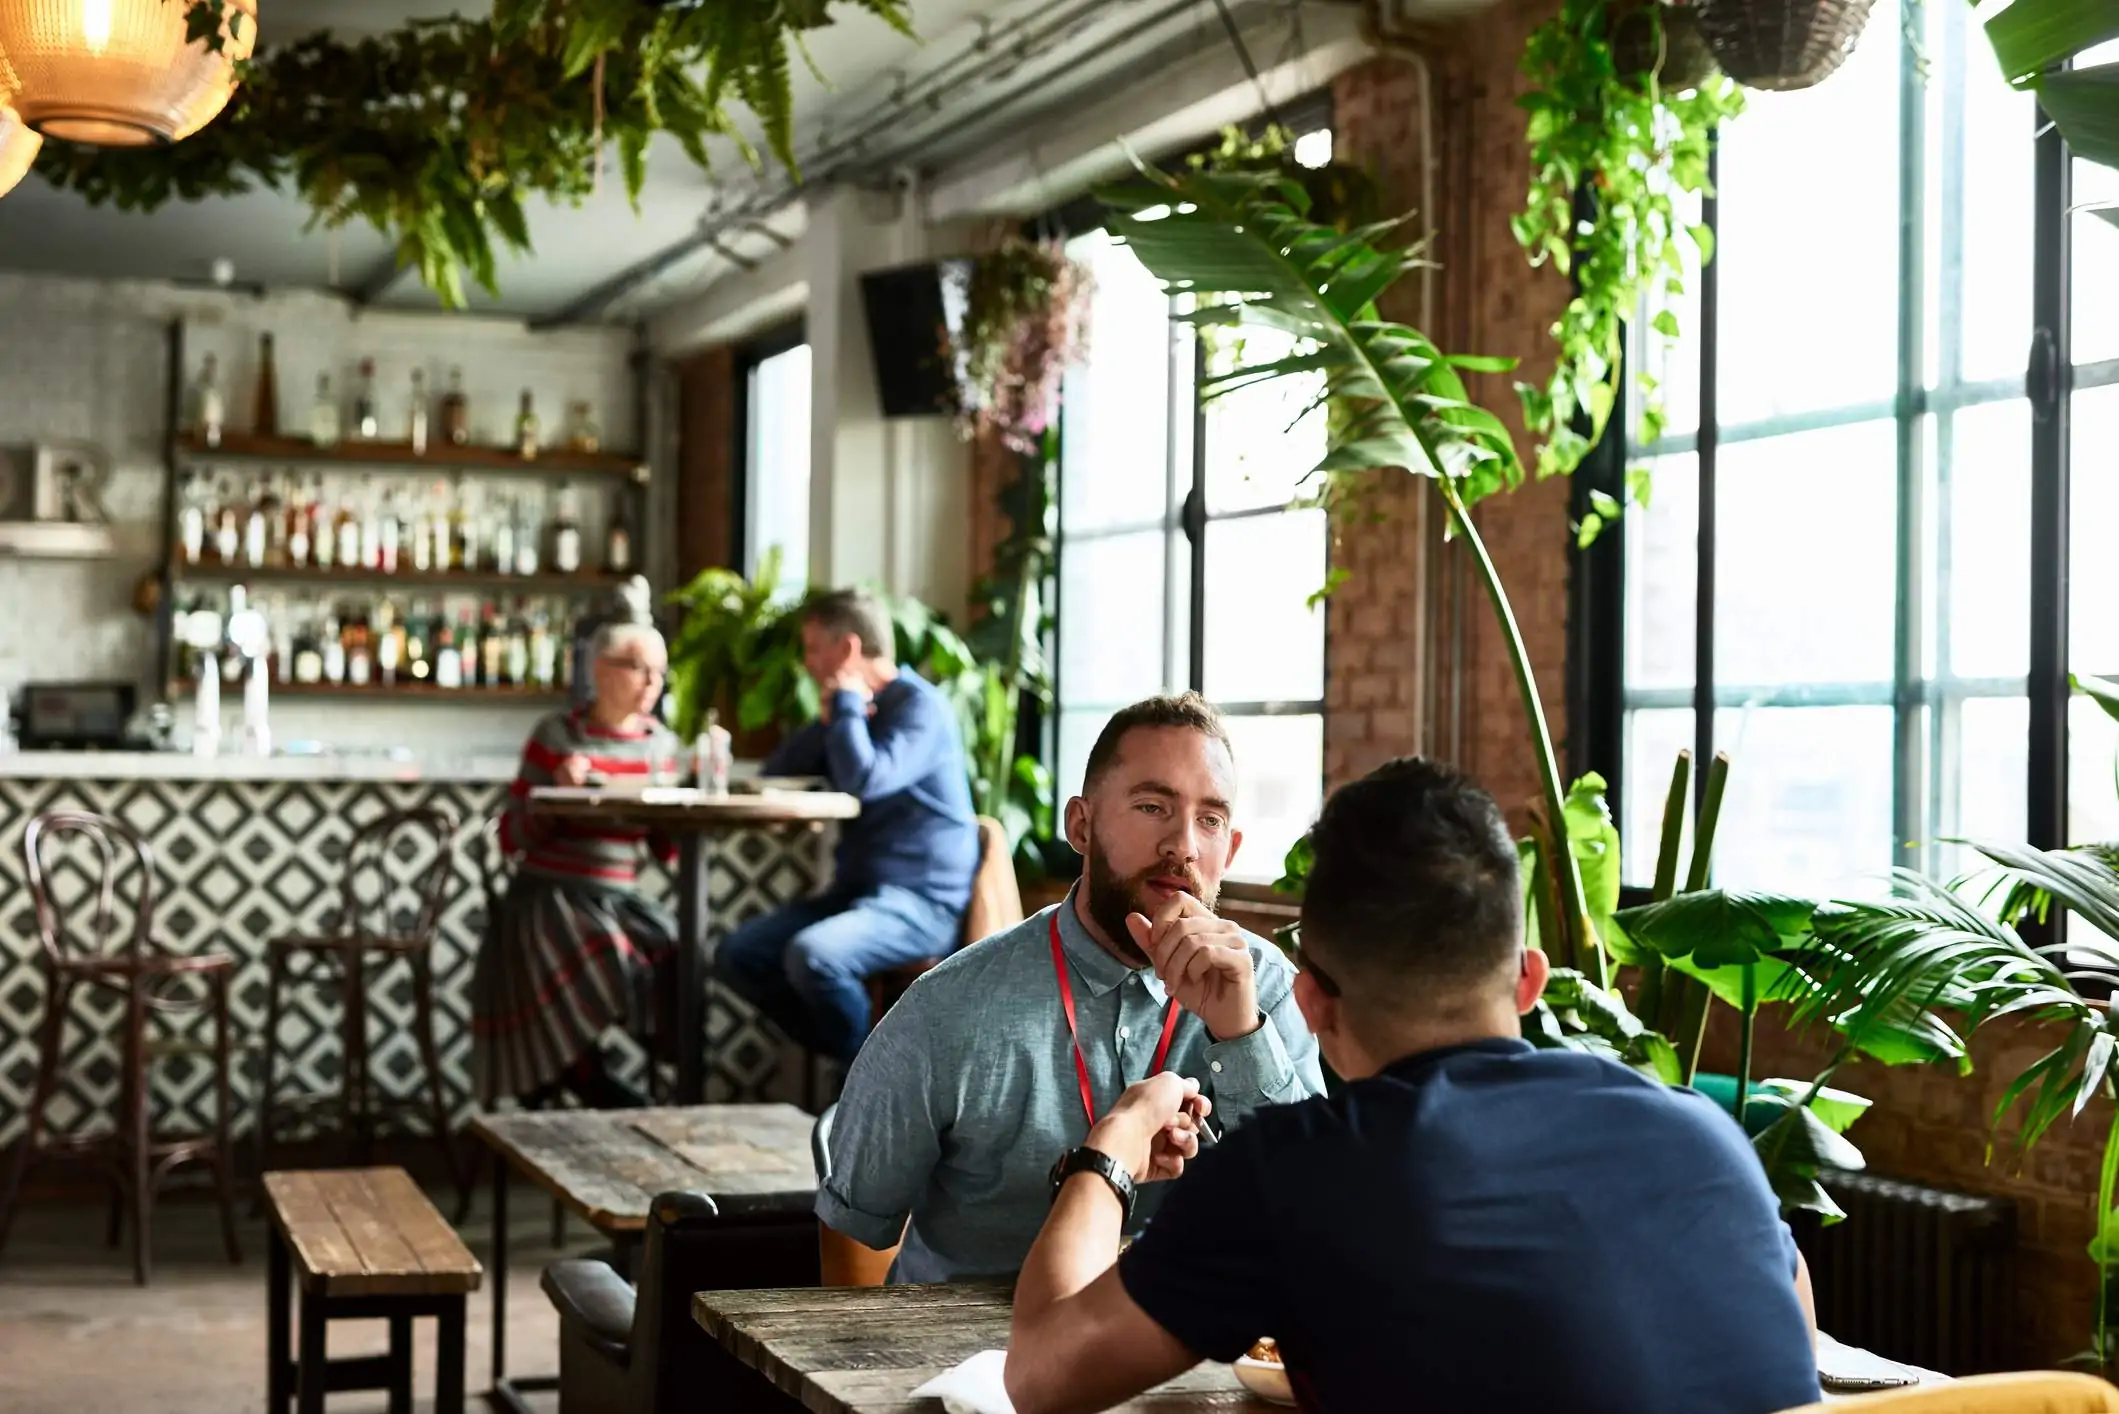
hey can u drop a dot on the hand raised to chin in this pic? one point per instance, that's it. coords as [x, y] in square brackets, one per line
[1203, 959]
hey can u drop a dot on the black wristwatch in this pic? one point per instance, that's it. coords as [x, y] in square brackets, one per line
[1096, 1161]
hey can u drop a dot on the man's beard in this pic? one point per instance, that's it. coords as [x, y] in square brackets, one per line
[1111, 898]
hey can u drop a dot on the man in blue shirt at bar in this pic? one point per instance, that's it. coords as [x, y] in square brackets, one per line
[902, 877]
[1469, 1225]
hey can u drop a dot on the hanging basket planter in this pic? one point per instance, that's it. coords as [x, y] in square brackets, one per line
[1678, 56]
[1781, 44]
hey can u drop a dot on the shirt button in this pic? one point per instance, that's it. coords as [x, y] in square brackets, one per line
[1123, 1033]
[1214, 1066]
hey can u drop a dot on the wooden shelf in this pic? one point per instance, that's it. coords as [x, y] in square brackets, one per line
[550, 461]
[400, 692]
[437, 581]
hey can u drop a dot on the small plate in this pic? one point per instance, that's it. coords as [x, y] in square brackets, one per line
[1265, 1379]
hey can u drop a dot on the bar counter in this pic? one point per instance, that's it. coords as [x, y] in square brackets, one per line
[249, 848]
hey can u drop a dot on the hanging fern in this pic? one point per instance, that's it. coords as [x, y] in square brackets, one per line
[438, 133]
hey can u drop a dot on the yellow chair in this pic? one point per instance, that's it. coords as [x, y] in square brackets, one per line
[2021, 1392]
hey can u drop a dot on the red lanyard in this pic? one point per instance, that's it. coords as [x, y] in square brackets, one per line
[1081, 1064]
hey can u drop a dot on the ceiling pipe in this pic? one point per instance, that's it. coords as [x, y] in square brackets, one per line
[836, 160]
[1385, 40]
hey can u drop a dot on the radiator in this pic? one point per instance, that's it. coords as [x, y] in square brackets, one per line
[1913, 1273]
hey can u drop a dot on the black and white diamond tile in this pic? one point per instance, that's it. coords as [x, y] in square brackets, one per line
[237, 863]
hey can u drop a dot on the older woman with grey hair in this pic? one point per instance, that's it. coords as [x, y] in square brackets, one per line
[576, 949]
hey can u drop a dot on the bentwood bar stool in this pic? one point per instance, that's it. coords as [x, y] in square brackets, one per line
[122, 956]
[373, 933]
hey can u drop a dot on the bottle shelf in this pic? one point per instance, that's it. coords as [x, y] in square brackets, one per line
[438, 581]
[396, 692]
[439, 456]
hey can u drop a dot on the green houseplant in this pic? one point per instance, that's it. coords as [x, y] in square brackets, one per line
[739, 654]
[1617, 138]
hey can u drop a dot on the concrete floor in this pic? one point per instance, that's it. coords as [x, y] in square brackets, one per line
[76, 1335]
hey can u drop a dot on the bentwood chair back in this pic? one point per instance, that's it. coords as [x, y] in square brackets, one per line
[71, 858]
[2024, 1392]
[373, 901]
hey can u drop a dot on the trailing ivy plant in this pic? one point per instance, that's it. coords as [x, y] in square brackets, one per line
[438, 133]
[1026, 317]
[1612, 151]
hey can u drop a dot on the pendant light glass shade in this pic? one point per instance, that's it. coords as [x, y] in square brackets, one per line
[18, 148]
[118, 73]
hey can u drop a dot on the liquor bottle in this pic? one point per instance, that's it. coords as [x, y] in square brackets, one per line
[265, 399]
[493, 645]
[331, 647]
[543, 650]
[371, 525]
[456, 411]
[472, 548]
[254, 521]
[282, 620]
[418, 624]
[360, 650]
[389, 642]
[469, 653]
[390, 533]
[448, 664]
[618, 536]
[212, 408]
[349, 536]
[366, 424]
[228, 530]
[416, 421]
[191, 519]
[323, 414]
[308, 654]
[583, 435]
[454, 531]
[517, 664]
[525, 541]
[323, 530]
[298, 511]
[566, 534]
[504, 538]
[526, 429]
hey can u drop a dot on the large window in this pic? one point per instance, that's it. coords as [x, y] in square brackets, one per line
[775, 396]
[1185, 559]
[1858, 489]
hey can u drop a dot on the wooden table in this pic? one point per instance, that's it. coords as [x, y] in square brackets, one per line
[864, 1350]
[606, 1166]
[689, 816]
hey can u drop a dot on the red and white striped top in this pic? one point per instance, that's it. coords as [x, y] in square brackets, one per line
[575, 849]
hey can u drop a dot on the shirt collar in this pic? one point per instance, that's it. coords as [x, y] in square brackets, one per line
[1098, 970]
[1417, 1065]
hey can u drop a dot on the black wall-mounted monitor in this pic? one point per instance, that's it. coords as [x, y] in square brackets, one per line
[914, 313]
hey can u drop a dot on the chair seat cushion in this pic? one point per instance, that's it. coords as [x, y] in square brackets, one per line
[595, 1300]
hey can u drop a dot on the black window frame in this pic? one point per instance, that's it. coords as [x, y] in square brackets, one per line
[1597, 696]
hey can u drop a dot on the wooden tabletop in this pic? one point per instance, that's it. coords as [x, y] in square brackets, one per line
[608, 1165]
[864, 1350]
[681, 807]
[368, 1232]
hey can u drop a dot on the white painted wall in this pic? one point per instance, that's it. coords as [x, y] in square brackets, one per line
[87, 360]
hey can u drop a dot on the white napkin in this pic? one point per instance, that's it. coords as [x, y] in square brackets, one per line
[973, 1387]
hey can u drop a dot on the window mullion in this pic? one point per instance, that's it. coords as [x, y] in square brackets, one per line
[2047, 380]
[1908, 761]
[1709, 441]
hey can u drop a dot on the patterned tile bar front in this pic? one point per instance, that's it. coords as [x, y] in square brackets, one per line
[242, 861]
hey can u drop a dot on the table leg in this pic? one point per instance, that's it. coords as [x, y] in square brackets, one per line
[449, 1359]
[314, 1376]
[401, 1364]
[279, 1357]
[690, 1038]
[500, 1270]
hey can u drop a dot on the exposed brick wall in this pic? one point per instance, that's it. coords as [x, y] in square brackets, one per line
[1930, 1125]
[707, 461]
[1416, 658]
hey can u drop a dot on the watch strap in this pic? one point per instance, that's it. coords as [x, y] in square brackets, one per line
[1096, 1161]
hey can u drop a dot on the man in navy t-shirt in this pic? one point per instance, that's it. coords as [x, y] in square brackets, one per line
[1468, 1225]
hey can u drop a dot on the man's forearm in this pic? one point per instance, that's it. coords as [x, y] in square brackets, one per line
[1079, 1241]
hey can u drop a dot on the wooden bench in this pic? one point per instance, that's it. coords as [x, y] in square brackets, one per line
[368, 1246]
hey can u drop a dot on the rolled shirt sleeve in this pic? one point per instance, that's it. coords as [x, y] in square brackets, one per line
[1274, 1065]
[886, 1138]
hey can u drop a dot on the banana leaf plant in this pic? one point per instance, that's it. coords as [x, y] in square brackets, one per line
[2037, 43]
[1241, 246]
